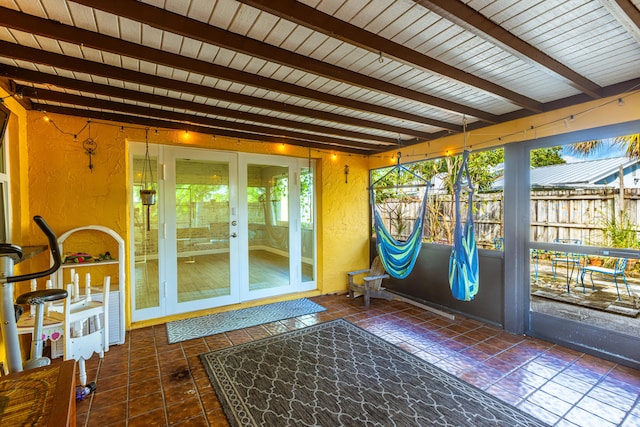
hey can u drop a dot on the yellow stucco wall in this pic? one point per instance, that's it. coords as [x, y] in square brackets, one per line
[344, 207]
[50, 175]
[59, 186]
[62, 188]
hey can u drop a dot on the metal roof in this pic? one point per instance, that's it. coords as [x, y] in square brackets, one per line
[578, 174]
[591, 172]
[348, 75]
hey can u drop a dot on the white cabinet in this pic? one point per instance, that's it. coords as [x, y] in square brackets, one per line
[91, 237]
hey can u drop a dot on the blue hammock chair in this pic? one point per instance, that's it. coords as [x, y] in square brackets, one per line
[463, 262]
[399, 257]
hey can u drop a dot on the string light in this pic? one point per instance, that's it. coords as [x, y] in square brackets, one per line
[17, 96]
[424, 155]
[333, 154]
[122, 128]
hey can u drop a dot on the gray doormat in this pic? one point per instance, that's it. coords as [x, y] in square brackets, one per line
[182, 330]
[336, 374]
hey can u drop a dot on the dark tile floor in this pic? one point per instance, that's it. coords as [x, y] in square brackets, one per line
[148, 382]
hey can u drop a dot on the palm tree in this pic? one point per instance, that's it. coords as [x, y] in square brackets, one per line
[630, 142]
[618, 230]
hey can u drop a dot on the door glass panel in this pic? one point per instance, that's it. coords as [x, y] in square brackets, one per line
[202, 229]
[145, 219]
[268, 201]
[584, 234]
[3, 168]
[3, 218]
[307, 226]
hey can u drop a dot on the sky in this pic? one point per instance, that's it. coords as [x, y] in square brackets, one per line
[608, 150]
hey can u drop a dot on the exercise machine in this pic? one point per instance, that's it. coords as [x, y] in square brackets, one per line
[10, 255]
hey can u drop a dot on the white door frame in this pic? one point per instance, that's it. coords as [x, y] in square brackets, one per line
[238, 246]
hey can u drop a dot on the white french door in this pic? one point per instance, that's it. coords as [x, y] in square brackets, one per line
[226, 228]
[200, 229]
[270, 238]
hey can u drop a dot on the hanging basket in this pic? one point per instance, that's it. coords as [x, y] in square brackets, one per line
[148, 197]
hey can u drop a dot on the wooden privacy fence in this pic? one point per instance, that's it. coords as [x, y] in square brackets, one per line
[584, 214]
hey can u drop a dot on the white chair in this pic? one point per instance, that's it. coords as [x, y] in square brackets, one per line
[39, 324]
[86, 327]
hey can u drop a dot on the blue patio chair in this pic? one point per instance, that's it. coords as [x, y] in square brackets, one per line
[498, 243]
[617, 271]
[535, 257]
[567, 259]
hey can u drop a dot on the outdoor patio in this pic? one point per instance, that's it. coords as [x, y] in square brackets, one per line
[599, 306]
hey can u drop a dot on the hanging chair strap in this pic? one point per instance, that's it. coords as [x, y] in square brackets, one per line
[398, 257]
[463, 262]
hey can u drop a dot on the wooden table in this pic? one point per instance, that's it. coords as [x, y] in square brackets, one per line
[39, 397]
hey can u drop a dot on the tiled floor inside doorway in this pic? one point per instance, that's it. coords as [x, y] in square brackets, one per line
[148, 382]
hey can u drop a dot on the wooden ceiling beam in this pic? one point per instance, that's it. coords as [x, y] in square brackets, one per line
[621, 90]
[11, 50]
[627, 15]
[165, 124]
[95, 103]
[117, 92]
[469, 19]
[630, 10]
[198, 30]
[24, 22]
[109, 71]
[307, 16]
[10, 87]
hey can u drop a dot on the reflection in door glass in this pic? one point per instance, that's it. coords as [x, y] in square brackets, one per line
[145, 233]
[581, 196]
[268, 202]
[306, 221]
[202, 229]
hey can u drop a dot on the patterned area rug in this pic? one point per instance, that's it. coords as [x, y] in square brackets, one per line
[336, 374]
[182, 330]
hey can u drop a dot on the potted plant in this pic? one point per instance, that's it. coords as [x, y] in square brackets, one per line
[148, 196]
[595, 261]
[147, 192]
